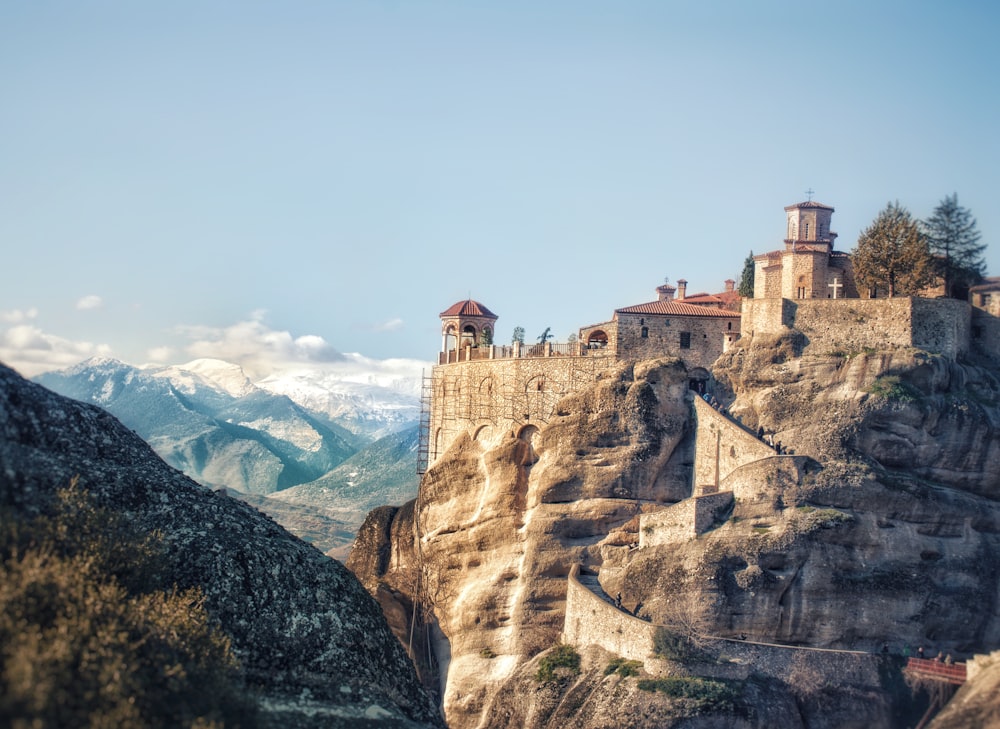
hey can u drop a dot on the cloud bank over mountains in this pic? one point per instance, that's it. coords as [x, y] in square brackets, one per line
[258, 348]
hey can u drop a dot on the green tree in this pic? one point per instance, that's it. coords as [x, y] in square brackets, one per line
[953, 239]
[745, 288]
[893, 252]
[518, 336]
[485, 337]
[545, 336]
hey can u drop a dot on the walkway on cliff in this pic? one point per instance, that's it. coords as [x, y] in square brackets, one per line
[592, 582]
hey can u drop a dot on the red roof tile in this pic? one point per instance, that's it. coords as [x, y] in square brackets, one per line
[468, 308]
[676, 308]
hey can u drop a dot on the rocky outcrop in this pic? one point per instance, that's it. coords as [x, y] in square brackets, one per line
[312, 643]
[880, 529]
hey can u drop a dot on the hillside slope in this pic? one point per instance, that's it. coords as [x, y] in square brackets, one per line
[314, 646]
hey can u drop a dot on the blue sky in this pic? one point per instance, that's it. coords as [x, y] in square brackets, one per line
[183, 179]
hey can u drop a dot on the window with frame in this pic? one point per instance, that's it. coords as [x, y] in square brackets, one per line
[685, 340]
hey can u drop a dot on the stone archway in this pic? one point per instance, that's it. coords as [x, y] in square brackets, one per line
[597, 339]
[528, 435]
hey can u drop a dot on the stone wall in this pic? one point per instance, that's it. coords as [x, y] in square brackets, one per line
[985, 337]
[491, 399]
[590, 620]
[760, 480]
[682, 521]
[941, 326]
[707, 337]
[721, 446]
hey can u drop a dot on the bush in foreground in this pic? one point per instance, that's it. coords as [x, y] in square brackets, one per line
[89, 638]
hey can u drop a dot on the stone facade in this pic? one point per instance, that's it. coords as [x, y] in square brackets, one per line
[493, 399]
[807, 267]
[696, 330]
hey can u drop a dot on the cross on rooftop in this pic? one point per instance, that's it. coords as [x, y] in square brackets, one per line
[810, 192]
[836, 286]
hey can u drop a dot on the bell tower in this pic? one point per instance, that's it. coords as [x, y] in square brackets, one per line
[809, 223]
[466, 324]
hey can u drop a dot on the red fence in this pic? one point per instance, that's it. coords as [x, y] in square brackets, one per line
[936, 670]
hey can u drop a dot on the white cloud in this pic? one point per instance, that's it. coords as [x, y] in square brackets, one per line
[31, 351]
[259, 349]
[389, 326]
[159, 354]
[16, 316]
[91, 301]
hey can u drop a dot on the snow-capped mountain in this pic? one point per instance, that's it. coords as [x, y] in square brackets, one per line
[212, 424]
[368, 397]
[346, 435]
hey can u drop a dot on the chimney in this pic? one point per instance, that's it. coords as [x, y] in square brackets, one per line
[665, 292]
[682, 286]
[730, 285]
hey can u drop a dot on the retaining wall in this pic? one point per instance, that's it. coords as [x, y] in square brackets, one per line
[682, 521]
[941, 326]
[591, 620]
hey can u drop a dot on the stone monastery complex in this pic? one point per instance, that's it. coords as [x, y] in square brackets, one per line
[492, 391]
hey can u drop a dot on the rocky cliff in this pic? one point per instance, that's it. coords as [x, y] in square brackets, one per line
[881, 529]
[313, 645]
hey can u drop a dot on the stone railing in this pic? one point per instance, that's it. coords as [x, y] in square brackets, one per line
[468, 353]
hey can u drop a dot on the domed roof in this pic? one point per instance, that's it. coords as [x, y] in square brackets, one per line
[467, 308]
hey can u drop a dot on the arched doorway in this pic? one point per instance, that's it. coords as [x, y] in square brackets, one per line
[699, 379]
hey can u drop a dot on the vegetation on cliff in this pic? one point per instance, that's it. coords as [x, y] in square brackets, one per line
[92, 637]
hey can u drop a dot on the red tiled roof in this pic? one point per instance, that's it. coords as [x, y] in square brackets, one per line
[724, 298]
[676, 308]
[468, 308]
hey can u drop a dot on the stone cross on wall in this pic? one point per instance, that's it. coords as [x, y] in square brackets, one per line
[836, 286]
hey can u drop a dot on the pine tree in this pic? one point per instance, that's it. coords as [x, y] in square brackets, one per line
[746, 278]
[892, 252]
[954, 242]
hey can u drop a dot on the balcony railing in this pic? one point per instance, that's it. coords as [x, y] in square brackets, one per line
[468, 353]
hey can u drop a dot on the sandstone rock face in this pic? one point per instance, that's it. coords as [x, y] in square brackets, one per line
[975, 703]
[311, 641]
[883, 529]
